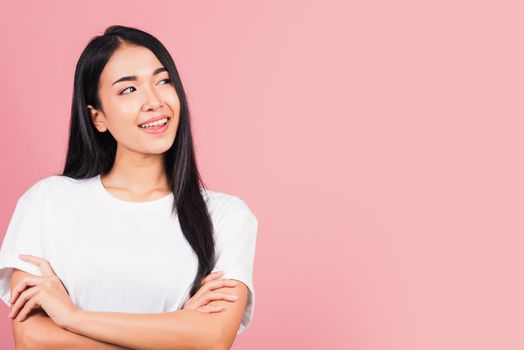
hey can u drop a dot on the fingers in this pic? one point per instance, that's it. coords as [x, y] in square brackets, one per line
[205, 293]
[210, 296]
[27, 309]
[25, 282]
[215, 284]
[211, 276]
[22, 301]
[40, 262]
[210, 308]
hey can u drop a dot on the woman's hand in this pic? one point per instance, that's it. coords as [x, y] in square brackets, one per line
[46, 292]
[206, 294]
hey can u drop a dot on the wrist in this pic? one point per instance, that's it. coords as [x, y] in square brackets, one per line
[75, 320]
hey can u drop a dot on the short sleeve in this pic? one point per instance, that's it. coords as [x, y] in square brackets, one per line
[23, 236]
[235, 241]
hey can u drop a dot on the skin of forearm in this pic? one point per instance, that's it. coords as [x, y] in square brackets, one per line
[42, 333]
[182, 329]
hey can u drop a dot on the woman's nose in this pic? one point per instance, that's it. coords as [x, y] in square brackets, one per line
[152, 99]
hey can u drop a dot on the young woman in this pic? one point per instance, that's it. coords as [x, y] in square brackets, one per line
[124, 249]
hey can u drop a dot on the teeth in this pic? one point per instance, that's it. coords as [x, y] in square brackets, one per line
[155, 123]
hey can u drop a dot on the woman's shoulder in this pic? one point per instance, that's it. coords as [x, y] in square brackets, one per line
[222, 203]
[51, 185]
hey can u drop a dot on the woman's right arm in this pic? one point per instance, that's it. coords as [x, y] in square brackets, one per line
[38, 331]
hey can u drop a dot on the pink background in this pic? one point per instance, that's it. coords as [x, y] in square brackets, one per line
[379, 145]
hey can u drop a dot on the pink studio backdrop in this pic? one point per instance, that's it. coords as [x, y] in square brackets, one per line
[379, 144]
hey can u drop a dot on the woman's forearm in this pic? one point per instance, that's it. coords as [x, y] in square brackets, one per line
[182, 329]
[42, 333]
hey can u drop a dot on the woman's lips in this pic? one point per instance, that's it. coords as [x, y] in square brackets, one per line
[156, 129]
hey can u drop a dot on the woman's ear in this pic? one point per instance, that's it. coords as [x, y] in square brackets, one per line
[97, 118]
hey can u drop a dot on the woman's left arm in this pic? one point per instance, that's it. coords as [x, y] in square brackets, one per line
[183, 329]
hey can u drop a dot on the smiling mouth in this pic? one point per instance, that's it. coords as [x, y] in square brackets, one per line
[154, 125]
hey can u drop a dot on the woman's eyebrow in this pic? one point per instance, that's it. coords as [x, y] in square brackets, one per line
[134, 77]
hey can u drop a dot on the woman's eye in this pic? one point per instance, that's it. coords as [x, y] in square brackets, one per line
[166, 80]
[121, 92]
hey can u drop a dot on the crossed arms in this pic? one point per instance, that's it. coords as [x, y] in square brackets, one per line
[183, 329]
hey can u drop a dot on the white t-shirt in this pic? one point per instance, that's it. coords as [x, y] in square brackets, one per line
[122, 256]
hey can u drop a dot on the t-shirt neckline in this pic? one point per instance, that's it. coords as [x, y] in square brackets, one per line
[130, 204]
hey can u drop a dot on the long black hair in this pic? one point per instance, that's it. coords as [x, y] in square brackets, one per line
[91, 153]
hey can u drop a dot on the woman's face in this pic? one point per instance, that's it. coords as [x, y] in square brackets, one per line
[127, 103]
